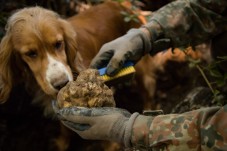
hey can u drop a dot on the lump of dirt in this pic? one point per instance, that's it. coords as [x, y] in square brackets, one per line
[88, 90]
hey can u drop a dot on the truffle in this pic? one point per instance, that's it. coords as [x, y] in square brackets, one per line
[88, 90]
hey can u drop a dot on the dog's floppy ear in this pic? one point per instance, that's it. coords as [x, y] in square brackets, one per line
[6, 73]
[12, 69]
[71, 43]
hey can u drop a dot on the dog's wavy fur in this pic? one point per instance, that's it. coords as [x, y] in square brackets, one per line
[38, 42]
[43, 51]
[13, 67]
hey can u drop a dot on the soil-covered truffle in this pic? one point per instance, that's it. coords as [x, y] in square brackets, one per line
[88, 90]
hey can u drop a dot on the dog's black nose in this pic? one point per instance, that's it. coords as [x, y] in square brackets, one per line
[60, 84]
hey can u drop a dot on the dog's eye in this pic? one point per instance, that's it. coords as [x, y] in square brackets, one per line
[58, 44]
[31, 54]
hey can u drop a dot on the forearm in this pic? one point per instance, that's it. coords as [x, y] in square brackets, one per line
[189, 22]
[204, 128]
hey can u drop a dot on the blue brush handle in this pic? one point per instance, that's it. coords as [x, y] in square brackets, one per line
[102, 71]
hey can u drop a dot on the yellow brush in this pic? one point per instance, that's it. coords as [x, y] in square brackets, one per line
[125, 74]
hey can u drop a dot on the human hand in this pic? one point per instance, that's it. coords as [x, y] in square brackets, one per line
[104, 123]
[130, 47]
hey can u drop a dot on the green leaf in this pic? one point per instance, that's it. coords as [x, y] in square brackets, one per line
[182, 48]
[220, 83]
[119, 1]
[127, 19]
[195, 61]
[223, 58]
[225, 76]
[191, 65]
[136, 20]
[215, 73]
[216, 92]
[124, 13]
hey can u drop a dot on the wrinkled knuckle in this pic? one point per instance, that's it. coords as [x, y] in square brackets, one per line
[105, 46]
[116, 62]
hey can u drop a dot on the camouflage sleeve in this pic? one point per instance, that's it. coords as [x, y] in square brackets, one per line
[190, 22]
[203, 129]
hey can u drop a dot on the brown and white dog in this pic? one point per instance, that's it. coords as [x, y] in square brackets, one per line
[44, 51]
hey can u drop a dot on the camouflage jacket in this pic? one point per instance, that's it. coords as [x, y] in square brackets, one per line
[199, 130]
[186, 23]
[189, 22]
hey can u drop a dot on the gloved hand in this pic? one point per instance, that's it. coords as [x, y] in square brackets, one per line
[104, 123]
[131, 46]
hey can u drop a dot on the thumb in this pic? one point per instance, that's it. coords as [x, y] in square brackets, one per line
[76, 126]
[116, 63]
[160, 45]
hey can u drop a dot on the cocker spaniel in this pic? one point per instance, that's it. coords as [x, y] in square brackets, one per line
[45, 51]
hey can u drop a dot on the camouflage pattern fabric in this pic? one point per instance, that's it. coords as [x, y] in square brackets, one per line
[185, 23]
[199, 130]
[190, 22]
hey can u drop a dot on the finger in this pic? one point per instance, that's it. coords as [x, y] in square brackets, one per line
[55, 106]
[91, 112]
[76, 126]
[116, 63]
[77, 111]
[101, 59]
[160, 45]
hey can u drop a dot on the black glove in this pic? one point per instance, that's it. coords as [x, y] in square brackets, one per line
[131, 46]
